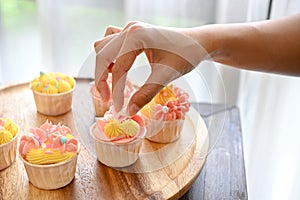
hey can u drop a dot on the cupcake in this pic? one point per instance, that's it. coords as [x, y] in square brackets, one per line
[100, 106]
[53, 93]
[49, 154]
[118, 138]
[164, 115]
[9, 132]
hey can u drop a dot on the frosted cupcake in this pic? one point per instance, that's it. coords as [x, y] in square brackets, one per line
[100, 106]
[164, 115]
[49, 154]
[9, 132]
[118, 139]
[53, 93]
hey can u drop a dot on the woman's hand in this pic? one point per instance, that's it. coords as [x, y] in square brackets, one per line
[170, 53]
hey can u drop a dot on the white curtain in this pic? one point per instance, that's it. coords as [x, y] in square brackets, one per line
[269, 106]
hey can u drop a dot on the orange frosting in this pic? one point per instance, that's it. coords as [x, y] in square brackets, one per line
[166, 94]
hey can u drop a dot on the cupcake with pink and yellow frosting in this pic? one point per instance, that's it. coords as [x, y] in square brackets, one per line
[100, 106]
[9, 132]
[49, 154]
[118, 138]
[164, 115]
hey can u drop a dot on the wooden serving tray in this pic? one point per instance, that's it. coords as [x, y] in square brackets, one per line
[162, 172]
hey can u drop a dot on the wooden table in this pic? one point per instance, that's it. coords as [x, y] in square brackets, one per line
[223, 175]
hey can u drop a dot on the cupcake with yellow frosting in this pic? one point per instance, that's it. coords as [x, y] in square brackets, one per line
[100, 106]
[9, 132]
[53, 93]
[164, 115]
[118, 138]
[49, 154]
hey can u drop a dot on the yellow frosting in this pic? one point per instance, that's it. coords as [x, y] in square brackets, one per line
[37, 86]
[49, 81]
[5, 136]
[71, 80]
[69, 136]
[47, 156]
[64, 86]
[130, 127]
[59, 74]
[50, 89]
[43, 77]
[146, 110]
[10, 126]
[8, 131]
[112, 128]
[164, 95]
[52, 83]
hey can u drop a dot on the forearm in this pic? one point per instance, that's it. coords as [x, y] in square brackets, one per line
[272, 46]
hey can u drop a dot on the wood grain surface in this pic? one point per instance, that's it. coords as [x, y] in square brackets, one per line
[223, 175]
[94, 180]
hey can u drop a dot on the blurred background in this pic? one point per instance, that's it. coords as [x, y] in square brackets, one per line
[58, 35]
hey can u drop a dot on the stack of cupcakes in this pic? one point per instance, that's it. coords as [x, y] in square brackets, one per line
[53, 93]
[9, 132]
[49, 154]
[100, 106]
[164, 115]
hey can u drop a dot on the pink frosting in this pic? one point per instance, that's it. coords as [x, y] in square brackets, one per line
[48, 136]
[112, 114]
[2, 122]
[172, 110]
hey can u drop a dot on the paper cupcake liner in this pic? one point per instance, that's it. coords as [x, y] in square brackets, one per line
[53, 104]
[100, 106]
[8, 152]
[116, 155]
[53, 176]
[163, 132]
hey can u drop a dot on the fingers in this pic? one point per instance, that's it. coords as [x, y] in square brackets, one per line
[143, 96]
[112, 30]
[101, 75]
[106, 55]
[161, 75]
[119, 75]
[100, 44]
[107, 50]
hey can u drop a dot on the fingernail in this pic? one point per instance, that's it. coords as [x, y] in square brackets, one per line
[133, 109]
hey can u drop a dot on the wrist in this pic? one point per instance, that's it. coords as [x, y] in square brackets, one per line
[206, 38]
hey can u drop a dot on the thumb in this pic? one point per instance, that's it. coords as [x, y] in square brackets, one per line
[143, 96]
[160, 76]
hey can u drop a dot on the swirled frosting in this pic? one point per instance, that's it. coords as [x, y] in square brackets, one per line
[52, 83]
[130, 127]
[8, 130]
[166, 94]
[117, 127]
[170, 104]
[48, 144]
[113, 128]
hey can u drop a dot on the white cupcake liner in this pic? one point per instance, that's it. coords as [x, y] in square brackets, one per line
[53, 104]
[8, 152]
[100, 106]
[53, 176]
[116, 155]
[163, 131]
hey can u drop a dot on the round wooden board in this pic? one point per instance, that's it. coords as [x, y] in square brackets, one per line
[94, 180]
